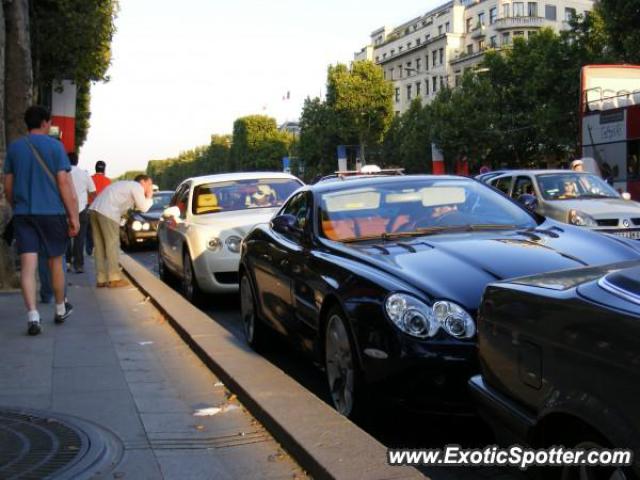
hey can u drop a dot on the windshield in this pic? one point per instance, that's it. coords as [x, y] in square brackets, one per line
[161, 201]
[242, 194]
[571, 186]
[422, 206]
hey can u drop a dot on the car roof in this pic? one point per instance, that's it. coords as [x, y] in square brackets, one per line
[540, 171]
[365, 180]
[222, 177]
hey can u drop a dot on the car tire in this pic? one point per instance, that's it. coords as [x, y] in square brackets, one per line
[163, 272]
[254, 329]
[589, 471]
[344, 377]
[190, 288]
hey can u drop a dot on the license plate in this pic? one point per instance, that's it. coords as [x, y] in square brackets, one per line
[632, 234]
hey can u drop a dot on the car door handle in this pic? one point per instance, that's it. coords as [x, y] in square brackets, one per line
[284, 263]
[266, 257]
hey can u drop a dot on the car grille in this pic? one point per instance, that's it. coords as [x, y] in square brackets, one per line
[636, 221]
[227, 278]
[633, 234]
[608, 222]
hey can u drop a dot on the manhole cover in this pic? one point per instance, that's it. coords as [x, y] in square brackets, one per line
[39, 445]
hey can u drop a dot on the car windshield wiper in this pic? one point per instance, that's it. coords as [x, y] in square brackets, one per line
[595, 195]
[382, 236]
[430, 231]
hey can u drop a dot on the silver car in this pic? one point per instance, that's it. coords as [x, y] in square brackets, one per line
[200, 233]
[577, 198]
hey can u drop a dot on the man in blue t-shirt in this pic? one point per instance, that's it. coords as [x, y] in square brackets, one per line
[45, 209]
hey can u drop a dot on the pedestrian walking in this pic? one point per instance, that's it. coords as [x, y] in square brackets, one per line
[101, 181]
[84, 187]
[38, 186]
[105, 213]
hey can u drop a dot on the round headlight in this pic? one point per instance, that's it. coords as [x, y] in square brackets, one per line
[136, 225]
[146, 226]
[214, 244]
[454, 319]
[411, 315]
[581, 219]
[233, 243]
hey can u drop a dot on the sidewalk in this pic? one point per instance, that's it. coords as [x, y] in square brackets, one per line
[116, 362]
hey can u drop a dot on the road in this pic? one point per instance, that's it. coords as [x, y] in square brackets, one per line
[392, 424]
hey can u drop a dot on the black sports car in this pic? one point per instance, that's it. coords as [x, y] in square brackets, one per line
[380, 278]
[137, 228]
[560, 355]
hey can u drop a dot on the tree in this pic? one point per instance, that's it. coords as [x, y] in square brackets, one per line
[362, 101]
[71, 39]
[318, 138]
[257, 144]
[620, 21]
[407, 143]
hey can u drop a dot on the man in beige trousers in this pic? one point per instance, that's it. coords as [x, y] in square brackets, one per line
[106, 211]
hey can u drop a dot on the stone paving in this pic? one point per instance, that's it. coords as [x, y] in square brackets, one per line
[116, 362]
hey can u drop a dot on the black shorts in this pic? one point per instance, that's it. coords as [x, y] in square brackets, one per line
[47, 234]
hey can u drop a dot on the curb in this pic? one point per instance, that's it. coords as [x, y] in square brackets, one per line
[324, 443]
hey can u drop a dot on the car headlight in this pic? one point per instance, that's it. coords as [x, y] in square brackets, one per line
[411, 315]
[581, 219]
[234, 243]
[454, 320]
[214, 244]
[418, 319]
[146, 226]
[136, 225]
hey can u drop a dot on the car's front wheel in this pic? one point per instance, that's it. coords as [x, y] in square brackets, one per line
[591, 472]
[341, 366]
[254, 330]
[190, 288]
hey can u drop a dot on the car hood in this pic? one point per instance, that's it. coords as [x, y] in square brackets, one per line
[458, 266]
[148, 216]
[613, 207]
[239, 221]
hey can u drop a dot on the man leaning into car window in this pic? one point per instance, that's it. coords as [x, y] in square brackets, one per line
[106, 211]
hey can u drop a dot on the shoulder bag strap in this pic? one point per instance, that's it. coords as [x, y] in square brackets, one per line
[42, 163]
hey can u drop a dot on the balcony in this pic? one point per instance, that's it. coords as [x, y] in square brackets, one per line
[508, 23]
[479, 31]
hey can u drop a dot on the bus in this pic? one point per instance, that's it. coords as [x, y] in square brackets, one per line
[610, 123]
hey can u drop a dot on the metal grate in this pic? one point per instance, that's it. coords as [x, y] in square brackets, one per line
[36, 445]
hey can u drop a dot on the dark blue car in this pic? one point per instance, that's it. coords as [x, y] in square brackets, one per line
[380, 278]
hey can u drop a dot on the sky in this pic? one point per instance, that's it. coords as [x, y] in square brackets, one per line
[182, 71]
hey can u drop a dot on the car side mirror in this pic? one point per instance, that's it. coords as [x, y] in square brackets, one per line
[285, 224]
[528, 201]
[626, 196]
[171, 213]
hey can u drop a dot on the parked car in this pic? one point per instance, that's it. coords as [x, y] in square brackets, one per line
[485, 177]
[379, 278]
[560, 355]
[137, 228]
[201, 231]
[581, 199]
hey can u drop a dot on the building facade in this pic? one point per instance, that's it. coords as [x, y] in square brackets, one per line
[432, 51]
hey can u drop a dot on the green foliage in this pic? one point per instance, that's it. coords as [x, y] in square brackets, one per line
[130, 175]
[318, 138]
[619, 22]
[258, 145]
[407, 143]
[71, 39]
[361, 100]
[210, 159]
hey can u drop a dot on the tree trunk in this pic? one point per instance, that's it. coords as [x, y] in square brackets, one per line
[19, 71]
[16, 94]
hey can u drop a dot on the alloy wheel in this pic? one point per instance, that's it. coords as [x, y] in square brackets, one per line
[588, 472]
[340, 365]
